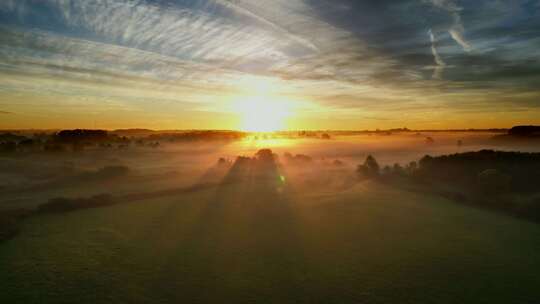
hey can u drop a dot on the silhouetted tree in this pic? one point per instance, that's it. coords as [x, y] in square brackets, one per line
[80, 135]
[265, 156]
[370, 168]
[524, 131]
[398, 170]
[411, 168]
[298, 159]
[425, 161]
[507, 181]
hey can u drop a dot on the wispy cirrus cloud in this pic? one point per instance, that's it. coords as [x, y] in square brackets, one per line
[363, 57]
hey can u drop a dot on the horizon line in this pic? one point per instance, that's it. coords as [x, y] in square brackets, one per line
[276, 131]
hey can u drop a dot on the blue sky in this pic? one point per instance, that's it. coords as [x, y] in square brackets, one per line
[344, 64]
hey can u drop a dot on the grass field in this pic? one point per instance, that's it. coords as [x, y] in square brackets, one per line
[240, 243]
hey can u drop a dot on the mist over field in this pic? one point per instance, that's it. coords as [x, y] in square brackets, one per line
[266, 217]
[32, 178]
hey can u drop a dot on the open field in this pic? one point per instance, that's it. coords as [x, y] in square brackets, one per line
[186, 228]
[369, 244]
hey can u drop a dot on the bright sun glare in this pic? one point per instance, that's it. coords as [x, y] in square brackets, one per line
[262, 114]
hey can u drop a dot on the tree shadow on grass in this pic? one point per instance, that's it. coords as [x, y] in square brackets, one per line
[245, 242]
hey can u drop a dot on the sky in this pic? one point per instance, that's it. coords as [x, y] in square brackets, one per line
[312, 64]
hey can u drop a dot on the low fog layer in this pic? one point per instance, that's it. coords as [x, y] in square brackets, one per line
[158, 162]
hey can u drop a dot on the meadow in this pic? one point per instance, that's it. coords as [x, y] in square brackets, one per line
[286, 233]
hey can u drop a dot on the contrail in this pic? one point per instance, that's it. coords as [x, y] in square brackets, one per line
[242, 10]
[456, 30]
[437, 73]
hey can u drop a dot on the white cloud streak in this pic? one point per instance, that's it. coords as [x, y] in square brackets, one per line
[244, 9]
[456, 30]
[440, 64]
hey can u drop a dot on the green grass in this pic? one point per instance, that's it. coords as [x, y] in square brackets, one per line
[372, 244]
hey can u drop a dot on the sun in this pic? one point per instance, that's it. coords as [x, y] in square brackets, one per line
[262, 113]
